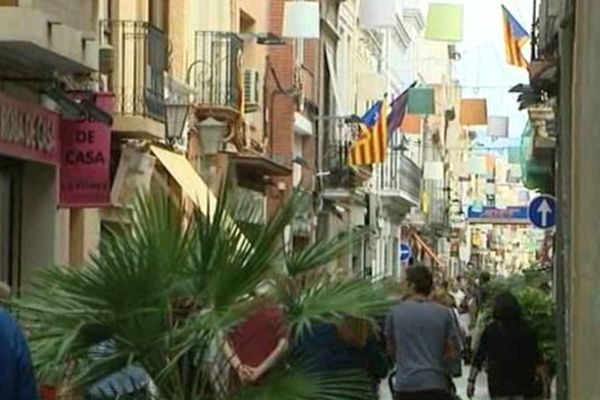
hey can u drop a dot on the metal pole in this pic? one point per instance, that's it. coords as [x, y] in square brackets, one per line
[534, 31]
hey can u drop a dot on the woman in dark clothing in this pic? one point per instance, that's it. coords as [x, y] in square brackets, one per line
[509, 349]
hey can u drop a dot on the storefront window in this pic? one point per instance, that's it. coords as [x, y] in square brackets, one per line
[10, 227]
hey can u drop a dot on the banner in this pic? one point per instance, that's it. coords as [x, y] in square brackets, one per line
[473, 112]
[377, 14]
[301, 20]
[497, 126]
[85, 158]
[444, 23]
[493, 215]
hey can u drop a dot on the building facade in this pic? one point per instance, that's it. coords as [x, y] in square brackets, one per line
[39, 67]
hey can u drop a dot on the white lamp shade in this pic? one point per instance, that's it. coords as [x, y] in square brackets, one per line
[377, 14]
[433, 170]
[301, 20]
[211, 136]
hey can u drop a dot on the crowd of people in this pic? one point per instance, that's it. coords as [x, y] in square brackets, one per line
[425, 339]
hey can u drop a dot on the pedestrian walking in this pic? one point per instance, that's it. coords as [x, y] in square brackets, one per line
[350, 345]
[17, 379]
[443, 298]
[423, 340]
[509, 349]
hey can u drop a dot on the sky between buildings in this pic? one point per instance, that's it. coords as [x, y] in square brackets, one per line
[483, 71]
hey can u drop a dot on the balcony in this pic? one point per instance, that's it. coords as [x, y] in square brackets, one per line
[339, 179]
[437, 203]
[216, 74]
[135, 62]
[398, 182]
[35, 45]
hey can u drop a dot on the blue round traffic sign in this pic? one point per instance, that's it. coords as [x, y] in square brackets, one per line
[405, 252]
[542, 212]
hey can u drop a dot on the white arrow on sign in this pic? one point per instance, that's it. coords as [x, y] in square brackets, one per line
[544, 209]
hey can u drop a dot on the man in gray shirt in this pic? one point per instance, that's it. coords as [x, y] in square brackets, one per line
[422, 337]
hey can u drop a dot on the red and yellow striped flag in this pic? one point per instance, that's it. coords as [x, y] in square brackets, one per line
[371, 145]
[515, 37]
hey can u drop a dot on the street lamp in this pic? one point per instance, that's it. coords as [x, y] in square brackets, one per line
[211, 134]
[176, 116]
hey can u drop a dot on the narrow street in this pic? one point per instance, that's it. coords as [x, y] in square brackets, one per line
[461, 387]
[259, 199]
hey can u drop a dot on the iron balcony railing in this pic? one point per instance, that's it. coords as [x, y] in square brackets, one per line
[438, 202]
[339, 175]
[399, 175]
[139, 63]
[216, 74]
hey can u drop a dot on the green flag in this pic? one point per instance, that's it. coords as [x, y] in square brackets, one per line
[445, 23]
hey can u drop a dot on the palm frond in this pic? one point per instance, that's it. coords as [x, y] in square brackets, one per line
[319, 297]
[301, 380]
[321, 252]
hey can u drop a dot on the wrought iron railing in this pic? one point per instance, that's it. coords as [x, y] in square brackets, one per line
[139, 63]
[438, 202]
[216, 74]
[336, 171]
[399, 174]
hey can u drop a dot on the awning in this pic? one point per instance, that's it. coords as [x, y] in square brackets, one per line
[428, 250]
[188, 179]
[260, 165]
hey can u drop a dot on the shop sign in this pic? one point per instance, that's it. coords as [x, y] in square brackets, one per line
[85, 159]
[28, 131]
[493, 215]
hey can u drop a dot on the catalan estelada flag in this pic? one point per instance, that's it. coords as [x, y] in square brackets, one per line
[371, 145]
[515, 37]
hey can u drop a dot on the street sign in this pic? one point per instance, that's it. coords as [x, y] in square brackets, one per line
[542, 212]
[405, 252]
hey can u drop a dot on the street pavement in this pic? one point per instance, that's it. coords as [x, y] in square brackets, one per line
[481, 392]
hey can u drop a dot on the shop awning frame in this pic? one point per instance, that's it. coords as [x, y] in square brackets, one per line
[428, 250]
[192, 185]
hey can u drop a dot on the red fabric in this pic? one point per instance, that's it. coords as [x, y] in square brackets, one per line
[48, 392]
[256, 338]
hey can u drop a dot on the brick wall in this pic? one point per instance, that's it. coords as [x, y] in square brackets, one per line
[281, 108]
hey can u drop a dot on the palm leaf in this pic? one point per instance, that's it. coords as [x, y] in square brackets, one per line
[319, 297]
[321, 252]
[163, 292]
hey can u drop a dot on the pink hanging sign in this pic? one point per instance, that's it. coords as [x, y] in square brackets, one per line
[85, 158]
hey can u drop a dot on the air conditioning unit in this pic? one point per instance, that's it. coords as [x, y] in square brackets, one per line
[251, 90]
